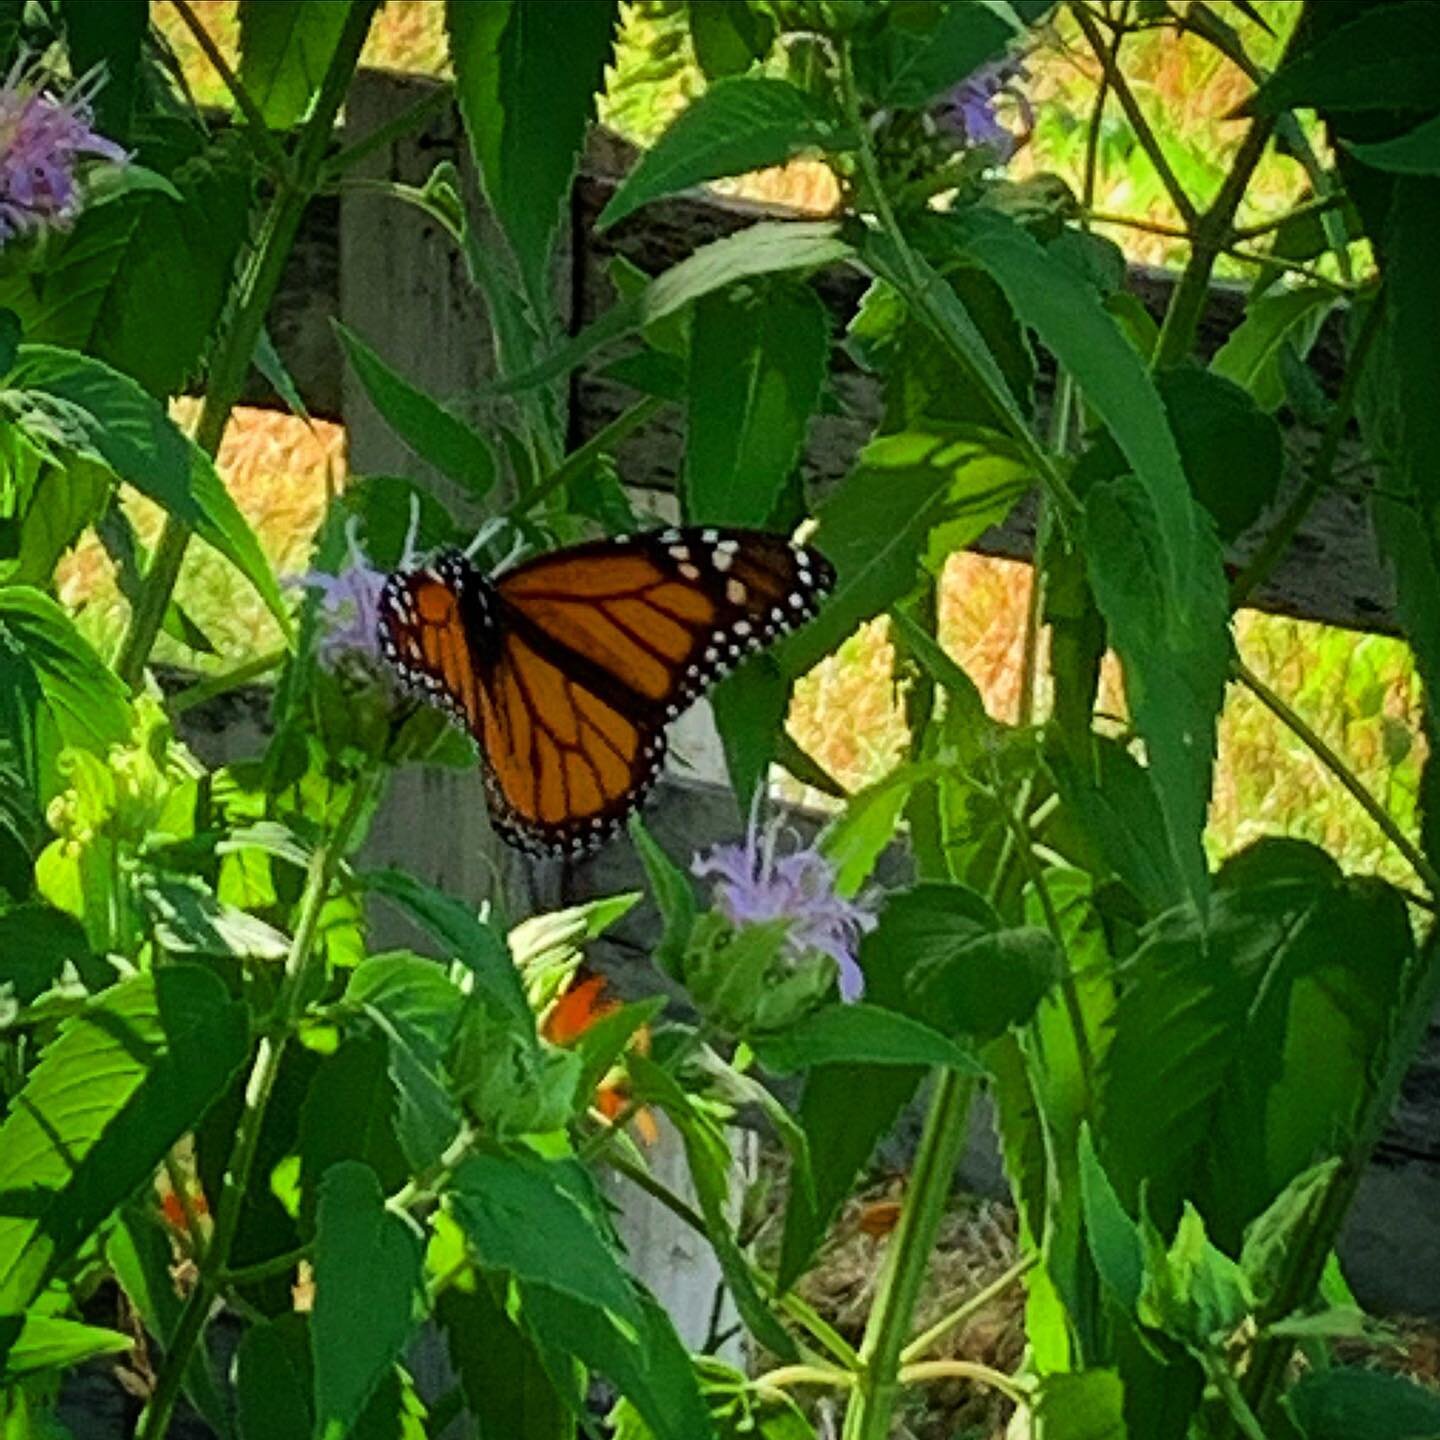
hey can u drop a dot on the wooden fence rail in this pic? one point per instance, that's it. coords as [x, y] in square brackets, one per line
[391, 275]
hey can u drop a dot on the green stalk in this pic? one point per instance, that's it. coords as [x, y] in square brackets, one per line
[269, 1054]
[256, 289]
[1213, 233]
[972, 1305]
[872, 1401]
[916, 296]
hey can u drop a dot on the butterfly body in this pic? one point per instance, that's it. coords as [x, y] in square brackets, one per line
[567, 668]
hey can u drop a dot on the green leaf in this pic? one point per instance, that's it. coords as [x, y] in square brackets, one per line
[1402, 426]
[846, 1109]
[1231, 449]
[1387, 58]
[109, 289]
[1175, 661]
[1346, 1402]
[647, 1363]
[1088, 1406]
[854, 841]
[526, 77]
[1113, 1237]
[859, 1034]
[47, 1342]
[532, 1218]
[60, 505]
[36, 943]
[606, 1040]
[712, 1171]
[102, 415]
[1417, 152]
[1120, 820]
[505, 1382]
[1241, 1053]
[1251, 355]
[436, 434]
[739, 124]
[729, 36]
[767, 248]
[674, 894]
[189, 920]
[758, 356]
[1069, 317]
[127, 1076]
[876, 527]
[274, 1380]
[750, 707]
[985, 983]
[1193, 1291]
[926, 49]
[108, 36]
[140, 1253]
[414, 1005]
[88, 703]
[285, 49]
[369, 1287]
[933, 298]
[465, 937]
[1273, 1237]
[350, 1114]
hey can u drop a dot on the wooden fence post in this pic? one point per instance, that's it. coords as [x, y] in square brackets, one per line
[404, 290]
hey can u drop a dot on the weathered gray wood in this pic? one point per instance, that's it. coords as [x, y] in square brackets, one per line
[403, 289]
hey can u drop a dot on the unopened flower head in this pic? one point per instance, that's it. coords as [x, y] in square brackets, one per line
[968, 111]
[42, 138]
[755, 883]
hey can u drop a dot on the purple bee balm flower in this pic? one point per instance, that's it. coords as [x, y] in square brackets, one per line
[349, 610]
[755, 884]
[42, 137]
[968, 111]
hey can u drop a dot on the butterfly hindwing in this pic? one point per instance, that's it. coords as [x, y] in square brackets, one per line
[567, 668]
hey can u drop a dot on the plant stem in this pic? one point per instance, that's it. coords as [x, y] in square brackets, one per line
[1108, 57]
[155, 1422]
[965, 1370]
[1211, 236]
[916, 1349]
[266, 1269]
[213, 686]
[788, 1375]
[409, 120]
[1343, 773]
[255, 290]
[1250, 257]
[579, 460]
[1322, 468]
[872, 1401]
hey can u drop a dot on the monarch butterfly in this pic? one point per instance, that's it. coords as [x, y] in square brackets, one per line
[567, 668]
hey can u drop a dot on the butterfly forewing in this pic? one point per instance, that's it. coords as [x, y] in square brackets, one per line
[567, 668]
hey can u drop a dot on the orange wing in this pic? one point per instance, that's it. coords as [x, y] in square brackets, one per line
[567, 668]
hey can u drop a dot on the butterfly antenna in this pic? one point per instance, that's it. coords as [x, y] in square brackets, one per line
[409, 556]
[497, 525]
[485, 534]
